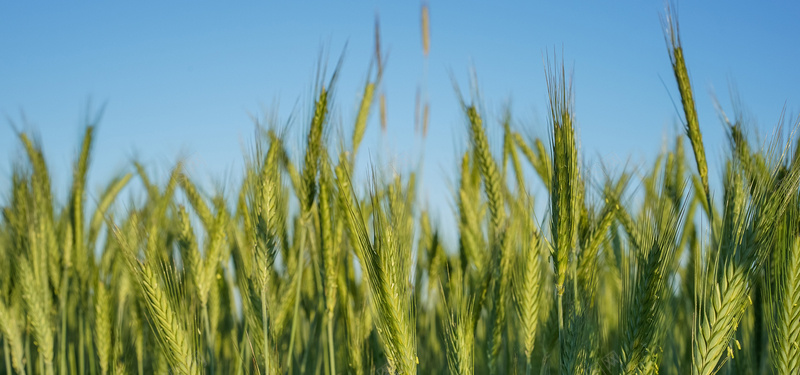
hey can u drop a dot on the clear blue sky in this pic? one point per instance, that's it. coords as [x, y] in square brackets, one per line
[184, 78]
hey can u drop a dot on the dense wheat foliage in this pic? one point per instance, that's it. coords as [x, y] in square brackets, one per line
[308, 269]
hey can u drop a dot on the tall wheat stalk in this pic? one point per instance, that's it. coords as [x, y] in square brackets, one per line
[675, 50]
[784, 308]
[748, 231]
[386, 264]
[565, 187]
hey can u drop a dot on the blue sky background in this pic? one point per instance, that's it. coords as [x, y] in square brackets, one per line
[184, 79]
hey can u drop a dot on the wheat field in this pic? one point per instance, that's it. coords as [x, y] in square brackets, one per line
[311, 270]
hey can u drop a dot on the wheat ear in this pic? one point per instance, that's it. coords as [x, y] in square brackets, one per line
[784, 307]
[687, 100]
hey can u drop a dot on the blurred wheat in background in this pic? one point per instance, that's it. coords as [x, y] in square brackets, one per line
[310, 270]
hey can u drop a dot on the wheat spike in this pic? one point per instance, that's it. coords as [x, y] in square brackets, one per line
[687, 99]
[102, 330]
[528, 280]
[426, 33]
[385, 265]
[784, 309]
[363, 116]
[171, 334]
[12, 334]
[644, 314]
[38, 305]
